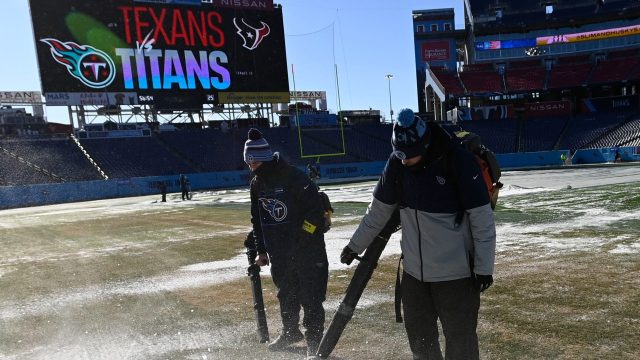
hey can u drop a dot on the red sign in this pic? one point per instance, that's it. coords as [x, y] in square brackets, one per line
[547, 108]
[436, 50]
[266, 5]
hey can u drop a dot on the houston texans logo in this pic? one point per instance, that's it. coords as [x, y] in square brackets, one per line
[276, 208]
[91, 66]
[251, 36]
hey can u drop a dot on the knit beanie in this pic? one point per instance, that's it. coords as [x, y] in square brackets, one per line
[256, 148]
[409, 135]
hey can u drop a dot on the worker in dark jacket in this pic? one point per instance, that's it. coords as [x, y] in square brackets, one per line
[448, 235]
[288, 217]
[184, 181]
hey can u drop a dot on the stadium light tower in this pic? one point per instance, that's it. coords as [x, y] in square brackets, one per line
[389, 77]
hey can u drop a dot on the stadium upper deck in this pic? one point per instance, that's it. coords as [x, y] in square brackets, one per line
[500, 16]
[516, 52]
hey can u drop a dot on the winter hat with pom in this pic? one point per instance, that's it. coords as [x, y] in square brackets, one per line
[409, 135]
[256, 148]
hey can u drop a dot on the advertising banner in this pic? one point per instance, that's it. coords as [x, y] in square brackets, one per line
[610, 104]
[172, 55]
[266, 5]
[20, 97]
[547, 108]
[436, 50]
[308, 95]
[504, 44]
[589, 35]
[495, 112]
[178, 2]
[91, 98]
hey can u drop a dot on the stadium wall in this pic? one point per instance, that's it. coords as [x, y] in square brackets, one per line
[596, 156]
[46, 194]
[56, 193]
[531, 159]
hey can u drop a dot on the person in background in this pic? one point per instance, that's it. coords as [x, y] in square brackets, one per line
[448, 236]
[163, 190]
[313, 172]
[288, 220]
[183, 187]
[188, 186]
[618, 156]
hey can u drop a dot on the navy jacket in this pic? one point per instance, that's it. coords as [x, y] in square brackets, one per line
[286, 213]
[430, 197]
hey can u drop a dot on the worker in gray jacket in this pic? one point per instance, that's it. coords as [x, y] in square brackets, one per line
[448, 235]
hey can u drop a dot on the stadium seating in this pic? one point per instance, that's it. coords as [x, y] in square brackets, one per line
[532, 14]
[369, 142]
[134, 157]
[568, 75]
[575, 11]
[357, 144]
[525, 64]
[61, 157]
[634, 74]
[201, 148]
[584, 129]
[614, 70]
[626, 134]
[481, 81]
[498, 135]
[188, 151]
[14, 172]
[378, 134]
[541, 134]
[196, 146]
[574, 59]
[449, 80]
[526, 78]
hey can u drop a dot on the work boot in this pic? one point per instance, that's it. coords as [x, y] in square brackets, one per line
[312, 349]
[285, 339]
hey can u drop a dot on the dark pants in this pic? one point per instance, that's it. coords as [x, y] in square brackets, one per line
[301, 285]
[455, 303]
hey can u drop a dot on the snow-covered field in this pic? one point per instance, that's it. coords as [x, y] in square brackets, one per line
[543, 211]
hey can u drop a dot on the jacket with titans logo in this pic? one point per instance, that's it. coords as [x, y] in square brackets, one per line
[286, 212]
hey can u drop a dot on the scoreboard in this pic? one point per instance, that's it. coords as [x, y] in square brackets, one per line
[170, 53]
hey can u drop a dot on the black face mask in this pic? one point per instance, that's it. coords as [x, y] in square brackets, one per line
[266, 168]
[417, 166]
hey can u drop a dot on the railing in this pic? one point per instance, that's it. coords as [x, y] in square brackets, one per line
[86, 154]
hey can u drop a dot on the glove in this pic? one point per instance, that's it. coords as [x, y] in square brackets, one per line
[251, 255]
[347, 255]
[482, 282]
[263, 260]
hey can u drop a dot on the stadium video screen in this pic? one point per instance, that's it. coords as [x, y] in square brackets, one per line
[167, 53]
[505, 44]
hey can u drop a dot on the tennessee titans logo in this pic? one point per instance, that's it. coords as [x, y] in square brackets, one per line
[399, 137]
[400, 155]
[251, 36]
[91, 66]
[276, 208]
[441, 180]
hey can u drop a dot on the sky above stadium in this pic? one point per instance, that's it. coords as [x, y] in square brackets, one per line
[366, 40]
